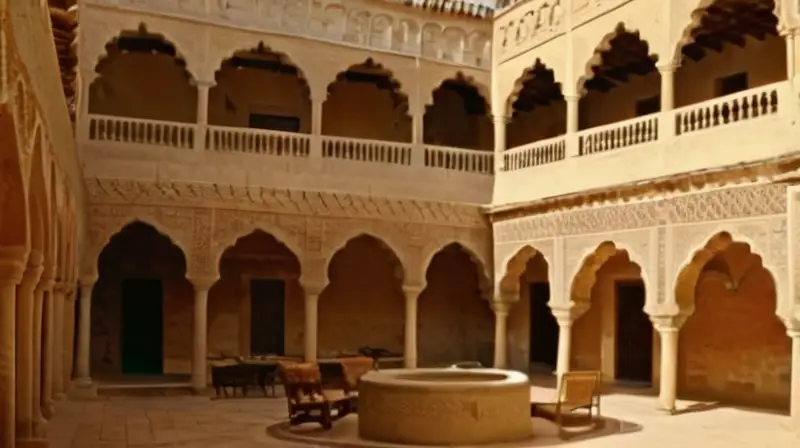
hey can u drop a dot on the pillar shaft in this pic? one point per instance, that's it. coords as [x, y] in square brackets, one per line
[58, 341]
[668, 381]
[500, 142]
[24, 348]
[564, 346]
[39, 362]
[410, 333]
[200, 350]
[202, 115]
[69, 337]
[311, 323]
[12, 267]
[84, 334]
[794, 409]
[500, 334]
[572, 113]
[48, 350]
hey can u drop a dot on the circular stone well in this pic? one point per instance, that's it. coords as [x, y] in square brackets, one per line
[444, 406]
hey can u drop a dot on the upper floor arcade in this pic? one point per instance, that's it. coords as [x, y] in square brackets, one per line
[622, 91]
[263, 107]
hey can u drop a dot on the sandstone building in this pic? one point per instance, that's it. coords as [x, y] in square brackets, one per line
[542, 185]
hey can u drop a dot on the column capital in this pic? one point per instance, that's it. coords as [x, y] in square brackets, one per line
[12, 264]
[202, 83]
[202, 283]
[312, 288]
[45, 284]
[87, 280]
[667, 66]
[412, 291]
[500, 119]
[572, 97]
[500, 308]
[319, 99]
[564, 316]
[60, 287]
[668, 323]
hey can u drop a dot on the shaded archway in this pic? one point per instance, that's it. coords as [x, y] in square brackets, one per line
[13, 215]
[612, 333]
[532, 328]
[538, 111]
[458, 116]
[366, 101]
[733, 347]
[262, 89]
[363, 303]
[143, 76]
[730, 46]
[455, 322]
[622, 83]
[142, 306]
[256, 306]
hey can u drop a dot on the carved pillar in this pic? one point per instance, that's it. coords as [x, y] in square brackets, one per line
[666, 122]
[200, 349]
[312, 293]
[410, 334]
[418, 135]
[85, 80]
[24, 354]
[500, 333]
[316, 126]
[82, 374]
[40, 363]
[794, 333]
[202, 114]
[668, 328]
[564, 319]
[69, 335]
[500, 143]
[59, 314]
[573, 123]
[12, 267]
[47, 347]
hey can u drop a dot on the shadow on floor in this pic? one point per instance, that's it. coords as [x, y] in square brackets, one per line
[345, 433]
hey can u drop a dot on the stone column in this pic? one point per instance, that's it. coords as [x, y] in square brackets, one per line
[794, 411]
[12, 267]
[69, 335]
[418, 135]
[500, 334]
[83, 377]
[564, 319]
[500, 143]
[668, 328]
[316, 127]
[666, 122]
[202, 114]
[573, 123]
[58, 340]
[410, 333]
[24, 353]
[40, 386]
[311, 324]
[200, 351]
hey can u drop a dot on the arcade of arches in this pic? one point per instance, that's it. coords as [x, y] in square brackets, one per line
[261, 88]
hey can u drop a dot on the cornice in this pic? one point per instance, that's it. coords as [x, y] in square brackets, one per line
[283, 201]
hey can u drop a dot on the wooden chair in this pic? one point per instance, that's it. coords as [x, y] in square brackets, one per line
[307, 400]
[353, 369]
[577, 390]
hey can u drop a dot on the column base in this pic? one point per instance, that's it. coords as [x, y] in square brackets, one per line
[667, 411]
[61, 396]
[39, 428]
[82, 389]
[49, 409]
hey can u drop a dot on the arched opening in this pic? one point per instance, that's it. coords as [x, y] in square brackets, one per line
[142, 306]
[363, 304]
[733, 46]
[261, 89]
[532, 328]
[458, 117]
[613, 335]
[623, 84]
[538, 110]
[256, 306]
[365, 101]
[455, 323]
[13, 223]
[733, 347]
[143, 76]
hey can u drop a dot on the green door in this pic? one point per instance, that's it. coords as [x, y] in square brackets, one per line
[142, 327]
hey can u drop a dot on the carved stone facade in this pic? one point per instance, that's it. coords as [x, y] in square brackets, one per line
[204, 220]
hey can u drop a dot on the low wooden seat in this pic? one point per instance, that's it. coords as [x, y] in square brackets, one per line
[354, 368]
[577, 390]
[307, 401]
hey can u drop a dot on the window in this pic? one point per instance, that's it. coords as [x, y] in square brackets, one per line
[731, 84]
[648, 106]
[274, 122]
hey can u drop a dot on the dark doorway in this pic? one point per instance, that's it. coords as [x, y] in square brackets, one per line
[142, 327]
[267, 317]
[544, 328]
[634, 334]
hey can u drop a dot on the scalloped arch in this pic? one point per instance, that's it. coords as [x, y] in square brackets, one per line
[515, 266]
[483, 90]
[280, 235]
[484, 278]
[519, 84]
[386, 242]
[103, 239]
[583, 280]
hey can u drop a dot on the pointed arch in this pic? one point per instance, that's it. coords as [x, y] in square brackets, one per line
[584, 278]
[539, 78]
[457, 114]
[515, 266]
[392, 254]
[484, 279]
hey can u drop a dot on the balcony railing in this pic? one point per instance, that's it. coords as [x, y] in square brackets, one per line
[362, 150]
[741, 107]
[143, 132]
[455, 159]
[258, 141]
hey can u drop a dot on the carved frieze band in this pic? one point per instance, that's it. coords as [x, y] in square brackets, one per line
[348, 22]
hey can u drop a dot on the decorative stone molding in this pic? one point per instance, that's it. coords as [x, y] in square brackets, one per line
[532, 24]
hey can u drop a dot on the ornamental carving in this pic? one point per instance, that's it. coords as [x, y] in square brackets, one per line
[351, 22]
[542, 20]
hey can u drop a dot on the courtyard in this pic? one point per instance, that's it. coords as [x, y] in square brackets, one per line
[170, 421]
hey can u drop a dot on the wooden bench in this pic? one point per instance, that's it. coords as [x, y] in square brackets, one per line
[306, 399]
[577, 390]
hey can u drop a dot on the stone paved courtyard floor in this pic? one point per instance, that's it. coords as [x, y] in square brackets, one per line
[238, 423]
